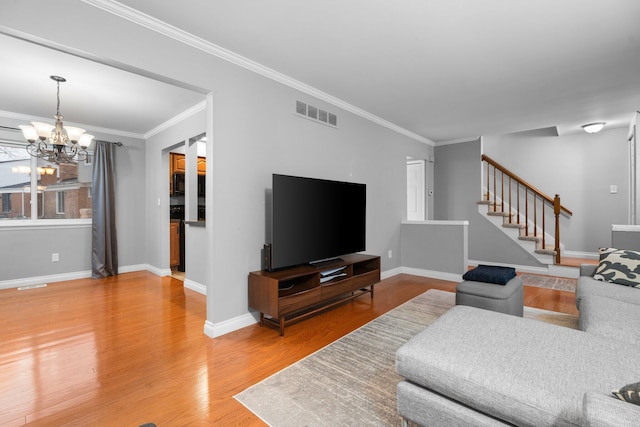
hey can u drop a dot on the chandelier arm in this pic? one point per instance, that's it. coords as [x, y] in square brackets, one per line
[61, 149]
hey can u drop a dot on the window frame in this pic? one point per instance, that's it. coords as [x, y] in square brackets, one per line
[35, 221]
[60, 202]
[6, 202]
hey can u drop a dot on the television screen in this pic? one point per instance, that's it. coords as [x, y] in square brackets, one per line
[315, 220]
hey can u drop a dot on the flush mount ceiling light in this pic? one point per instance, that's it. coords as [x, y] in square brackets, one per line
[593, 127]
[57, 143]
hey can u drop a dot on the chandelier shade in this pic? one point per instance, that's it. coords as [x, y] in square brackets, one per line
[57, 143]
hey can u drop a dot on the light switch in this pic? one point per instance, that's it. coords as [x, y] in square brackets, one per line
[613, 189]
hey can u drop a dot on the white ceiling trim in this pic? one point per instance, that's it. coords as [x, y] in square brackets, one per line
[161, 27]
[177, 119]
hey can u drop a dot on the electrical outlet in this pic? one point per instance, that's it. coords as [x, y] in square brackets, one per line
[390, 254]
[55, 257]
[613, 189]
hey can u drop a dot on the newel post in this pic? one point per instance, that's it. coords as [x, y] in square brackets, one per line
[556, 212]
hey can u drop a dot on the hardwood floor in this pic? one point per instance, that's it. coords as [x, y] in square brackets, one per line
[130, 350]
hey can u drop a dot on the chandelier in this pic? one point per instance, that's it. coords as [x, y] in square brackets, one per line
[57, 143]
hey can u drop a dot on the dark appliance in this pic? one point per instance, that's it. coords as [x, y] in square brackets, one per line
[178, 184]
[315, 220]
[201, 185]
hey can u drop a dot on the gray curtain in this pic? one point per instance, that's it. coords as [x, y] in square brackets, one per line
[104, 242]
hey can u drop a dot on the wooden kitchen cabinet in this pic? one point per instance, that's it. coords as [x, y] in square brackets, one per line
[178, 164]
[174, 239]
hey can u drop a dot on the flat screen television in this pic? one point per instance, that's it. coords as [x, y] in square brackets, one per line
[315, 220]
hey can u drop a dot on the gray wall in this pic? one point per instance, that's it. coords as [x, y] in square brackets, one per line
[255, 135]
[434, 246]
[458, 188]
[157, 189]
[578, 167]
[252, 133]
[26, 251]
[625, 237]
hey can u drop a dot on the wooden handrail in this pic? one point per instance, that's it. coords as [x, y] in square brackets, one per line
[524, 183]
[537, 194]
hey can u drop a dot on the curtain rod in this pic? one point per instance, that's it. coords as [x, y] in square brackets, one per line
[118, 143]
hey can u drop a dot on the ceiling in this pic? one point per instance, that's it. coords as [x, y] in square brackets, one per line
[94, 94]
[442, 69]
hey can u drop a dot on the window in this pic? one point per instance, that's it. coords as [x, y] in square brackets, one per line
[6, 202]
[60, 202]
[63, 191]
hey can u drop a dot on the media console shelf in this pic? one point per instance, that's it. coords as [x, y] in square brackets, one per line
[293, 294]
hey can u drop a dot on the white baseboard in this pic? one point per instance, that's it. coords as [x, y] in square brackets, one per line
[390, 273]
[132, 268]
[195, 286]
[441, 275]
[38, 280]
[63, 277]
[158, 271]
[214, 330]
[563, 271]
[585, 255]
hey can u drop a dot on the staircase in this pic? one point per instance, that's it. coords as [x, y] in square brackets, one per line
[521, 211]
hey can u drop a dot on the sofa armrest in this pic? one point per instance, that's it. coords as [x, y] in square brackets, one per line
[588, 269]
[601, 410]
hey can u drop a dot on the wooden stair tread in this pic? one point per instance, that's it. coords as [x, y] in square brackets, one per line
[513, 225]
[497, 213]
[545, 251]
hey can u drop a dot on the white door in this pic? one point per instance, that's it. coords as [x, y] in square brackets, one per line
[415, 190]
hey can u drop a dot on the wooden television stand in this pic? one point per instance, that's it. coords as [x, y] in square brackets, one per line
[285, 296]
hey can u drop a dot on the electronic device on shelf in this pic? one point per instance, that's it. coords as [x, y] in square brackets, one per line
[314, 220]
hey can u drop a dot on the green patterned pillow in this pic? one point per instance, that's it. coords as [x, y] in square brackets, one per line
[629, 393]
[619, 266]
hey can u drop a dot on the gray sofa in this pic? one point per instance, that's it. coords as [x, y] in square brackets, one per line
[474, 367]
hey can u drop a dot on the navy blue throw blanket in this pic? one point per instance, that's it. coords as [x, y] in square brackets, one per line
[490, 274]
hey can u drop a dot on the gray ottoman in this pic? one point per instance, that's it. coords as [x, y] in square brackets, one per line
[508, 299]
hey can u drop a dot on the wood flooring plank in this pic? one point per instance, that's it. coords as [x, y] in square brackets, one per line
[129, 350]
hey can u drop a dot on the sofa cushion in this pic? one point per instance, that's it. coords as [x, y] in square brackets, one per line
[590, 286]
[602, 410]
[426, 408]
[490, 274]
[619, 266]
[520, 370]
[610, 318]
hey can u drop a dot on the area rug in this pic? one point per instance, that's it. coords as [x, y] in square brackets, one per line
[549, 282]
[352, 381]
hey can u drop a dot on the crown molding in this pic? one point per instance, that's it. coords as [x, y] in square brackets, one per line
[153, 24]
[176, 119]
[458, 141]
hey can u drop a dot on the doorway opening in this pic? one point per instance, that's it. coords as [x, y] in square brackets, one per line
[177, 235]
[187, 198]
